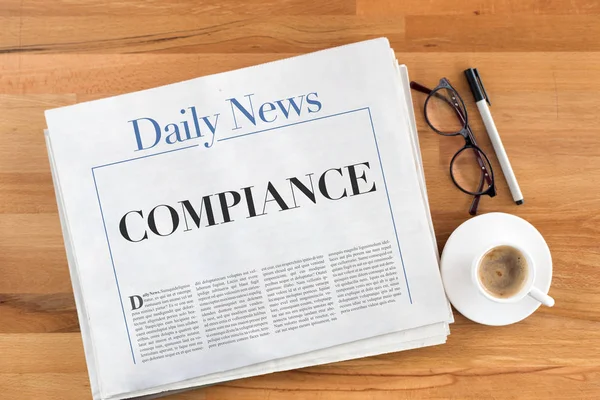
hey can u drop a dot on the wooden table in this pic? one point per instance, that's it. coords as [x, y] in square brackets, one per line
[540, 62]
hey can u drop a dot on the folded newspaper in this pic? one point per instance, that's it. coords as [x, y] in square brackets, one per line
[264, 219]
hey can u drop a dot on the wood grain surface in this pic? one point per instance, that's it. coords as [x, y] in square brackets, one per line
[540, 60]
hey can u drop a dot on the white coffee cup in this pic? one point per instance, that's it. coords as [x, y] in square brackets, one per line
[528, 288]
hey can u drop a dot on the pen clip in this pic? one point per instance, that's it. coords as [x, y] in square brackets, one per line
[480, 82]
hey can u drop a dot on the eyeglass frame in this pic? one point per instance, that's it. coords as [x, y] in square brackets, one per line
[467, 134]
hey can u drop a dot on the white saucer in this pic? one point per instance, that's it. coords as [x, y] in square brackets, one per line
[475, 235]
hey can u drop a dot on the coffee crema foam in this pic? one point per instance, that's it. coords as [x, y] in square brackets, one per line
[503, 271]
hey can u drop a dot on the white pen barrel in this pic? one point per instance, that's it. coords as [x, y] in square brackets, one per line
[507, 170]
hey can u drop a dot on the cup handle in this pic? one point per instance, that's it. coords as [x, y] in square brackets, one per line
[541, 297]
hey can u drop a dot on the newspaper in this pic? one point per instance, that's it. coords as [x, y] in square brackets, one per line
[263, 219]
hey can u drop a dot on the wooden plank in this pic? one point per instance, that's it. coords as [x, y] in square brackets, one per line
[195, 34]
[119, 73]
[175, 9]
[476, 384]
[497, 33]
[477, 7]
[127, 34]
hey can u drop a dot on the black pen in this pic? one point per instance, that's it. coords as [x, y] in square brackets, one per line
[482, 100]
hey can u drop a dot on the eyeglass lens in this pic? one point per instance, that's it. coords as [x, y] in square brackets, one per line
[443, 111]
[468, 172]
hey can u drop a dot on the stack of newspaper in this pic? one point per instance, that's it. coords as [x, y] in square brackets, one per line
[259, 220]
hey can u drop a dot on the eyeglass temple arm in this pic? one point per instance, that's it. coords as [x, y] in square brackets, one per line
[477, 197]
[419, 88]
[474, 205]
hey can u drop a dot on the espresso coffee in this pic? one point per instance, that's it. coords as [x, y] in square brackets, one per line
[503, 271]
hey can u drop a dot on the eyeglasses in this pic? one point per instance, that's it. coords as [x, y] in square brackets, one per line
[470, 169]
